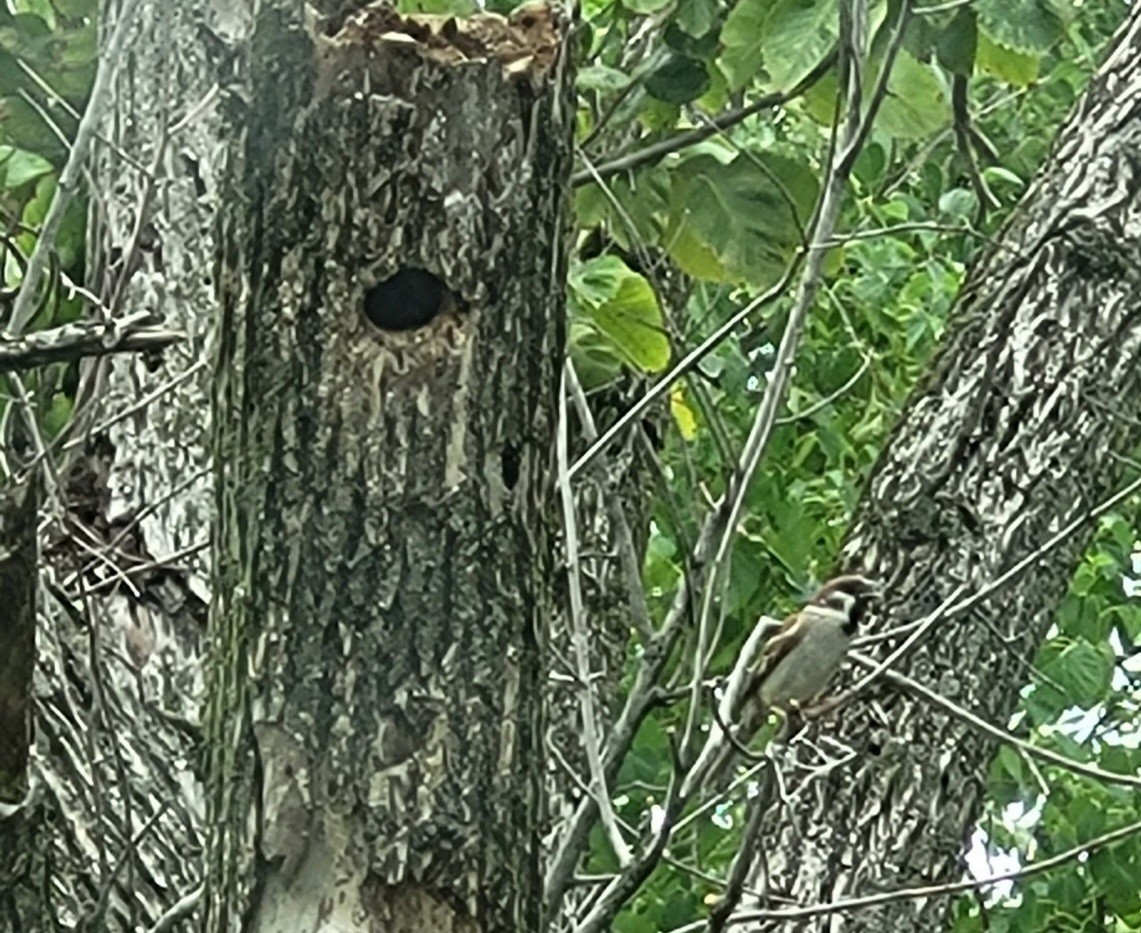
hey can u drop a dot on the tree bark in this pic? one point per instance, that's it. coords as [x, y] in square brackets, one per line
[1034, 394]
[109, 835]
[119, 709]
[19, 555]
[393, 264]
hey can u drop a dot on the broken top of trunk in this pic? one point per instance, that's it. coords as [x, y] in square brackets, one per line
[526, 42]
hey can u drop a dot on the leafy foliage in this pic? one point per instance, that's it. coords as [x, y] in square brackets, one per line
[47, 63]
[730, 212]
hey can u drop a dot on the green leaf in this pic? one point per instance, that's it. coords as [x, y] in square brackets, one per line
[634, 322]
[628, 922]
[1083, 670]
[57, 415]
[797, 35]
[596, 362]
[697, 17]
[644, 7]
[1116, 869]
[684, 416]
[696, 257]
[678, 80]
[819, 101]
[1010, 762]
[22, 126]
[955, 46]
[18, 167]
[749, 214]
[622, 306]
[741, 38]
[1006, 64]
[445, 7]
[643, 200]
[958, 203]
[1024, 25]
[915, 105]
[77, 9]
[601, 78]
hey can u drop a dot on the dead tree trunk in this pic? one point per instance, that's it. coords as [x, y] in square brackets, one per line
[391, 339]
[1034, 392]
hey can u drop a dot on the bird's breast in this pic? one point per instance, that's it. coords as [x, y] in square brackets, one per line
[807, 668]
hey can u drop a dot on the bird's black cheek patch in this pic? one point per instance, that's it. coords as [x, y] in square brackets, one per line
[405, 301]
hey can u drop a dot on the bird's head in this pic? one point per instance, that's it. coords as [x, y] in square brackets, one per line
[850, 594]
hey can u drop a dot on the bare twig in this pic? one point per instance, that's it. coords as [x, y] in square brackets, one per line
[953, 610]
[930, 890]
[729, 706]
[718, 124]
[747, 850]
[591, 730]
[183, 908]
[981, 725]
[25, 304]
[79, 339]
[623, 536]
[960, 108]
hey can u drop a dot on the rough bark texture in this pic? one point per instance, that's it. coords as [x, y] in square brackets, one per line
[18, 559]
[113, 839]
[110, 838]
[1035, 389]
[385, 571]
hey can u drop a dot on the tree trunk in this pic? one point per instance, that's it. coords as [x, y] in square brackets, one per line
[128, 855]
[18, 559]
[109, 838]
[391, 340]
[1035, 391]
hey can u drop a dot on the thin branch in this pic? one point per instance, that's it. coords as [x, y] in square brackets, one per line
[1060, 537]
[57, 100]
[624, 538]
[930, 890]
[182, 909]
[727, 709]
[740, 869]
[168, 386]
[79, 339]
[685, 365]
[960, 109]
[655, 151]
[1048, 546]
[25, 305]
[915, 226]
[639, 700]
[591, 730]
[865, 365]
[981, 725]
[924, 626]
[139, 516]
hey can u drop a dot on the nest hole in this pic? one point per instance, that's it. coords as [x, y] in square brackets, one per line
[408, 300]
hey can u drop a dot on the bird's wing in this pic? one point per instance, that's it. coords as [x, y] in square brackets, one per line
[776, 648]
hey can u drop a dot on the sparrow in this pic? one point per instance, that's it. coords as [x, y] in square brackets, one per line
[793, 666]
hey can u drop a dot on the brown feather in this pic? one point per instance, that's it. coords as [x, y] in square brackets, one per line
[787, 637]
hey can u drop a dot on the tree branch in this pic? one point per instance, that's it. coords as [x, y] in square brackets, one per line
[80, 339]
[664, 147]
